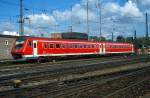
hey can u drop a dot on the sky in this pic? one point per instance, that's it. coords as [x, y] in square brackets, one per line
[122, 17]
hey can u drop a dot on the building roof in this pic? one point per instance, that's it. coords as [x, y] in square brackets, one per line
[8, 36]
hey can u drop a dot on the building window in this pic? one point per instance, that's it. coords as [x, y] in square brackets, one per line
[6, 42]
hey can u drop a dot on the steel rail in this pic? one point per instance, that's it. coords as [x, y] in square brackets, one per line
[86, 85]
[128, 87]
[53, 86]
[60, 71]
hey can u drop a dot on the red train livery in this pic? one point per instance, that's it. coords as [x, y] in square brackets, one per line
[35, 48]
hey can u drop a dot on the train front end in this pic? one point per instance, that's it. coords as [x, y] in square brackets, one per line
[18, 48]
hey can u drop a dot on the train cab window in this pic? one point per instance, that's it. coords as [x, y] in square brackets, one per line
[57, 45]
[63, 46]
[70, 45]
[76, 46]
[19, 43]
[30, 43]
[84, 45]
[51, 45]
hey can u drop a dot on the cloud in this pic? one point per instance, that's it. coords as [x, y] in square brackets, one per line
[128, 10]
[42, 20]
[81, 13]
[62, 16]
[145, 2]
[78, 12]
[14, 33]
[7, 26]
[91, 3]
[114, 15]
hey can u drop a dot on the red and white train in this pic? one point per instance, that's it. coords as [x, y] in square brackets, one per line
[36, 48]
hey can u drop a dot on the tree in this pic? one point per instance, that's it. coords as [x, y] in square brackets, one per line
[97, 38]
[120, 39]
[102, 38]
[129, 39]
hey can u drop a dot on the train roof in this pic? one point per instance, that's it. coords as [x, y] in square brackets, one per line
[73, 40]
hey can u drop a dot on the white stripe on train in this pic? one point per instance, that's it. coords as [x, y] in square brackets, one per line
[67, 54]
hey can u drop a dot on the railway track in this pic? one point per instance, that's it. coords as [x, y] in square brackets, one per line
[78, 70]
[17, 68]
[120, 80]
[127, 87]
[57, 71]
[69, 88]
[13, 64]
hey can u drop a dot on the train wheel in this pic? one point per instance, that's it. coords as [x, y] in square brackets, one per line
[39, 60]
[53, 60]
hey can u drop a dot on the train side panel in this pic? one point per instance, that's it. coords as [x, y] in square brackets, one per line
[37, 47]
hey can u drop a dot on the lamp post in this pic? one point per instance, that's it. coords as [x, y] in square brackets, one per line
[21, 20]
[100, 20]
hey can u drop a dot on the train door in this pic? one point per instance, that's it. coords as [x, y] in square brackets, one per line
[103, 48]
[100, 48]
[35, 53]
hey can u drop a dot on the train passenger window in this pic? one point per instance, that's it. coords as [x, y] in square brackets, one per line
[51, 45]
[89, 46]
[45, 45]
[97, 46]
[107, 46]
[76, 46]
[57, 45]
[63, 46]
[70, 45]
[81, 45]
[30, 43]
[84, 45]
[92, 46]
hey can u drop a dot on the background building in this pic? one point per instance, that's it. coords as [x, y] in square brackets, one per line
[6, 42]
